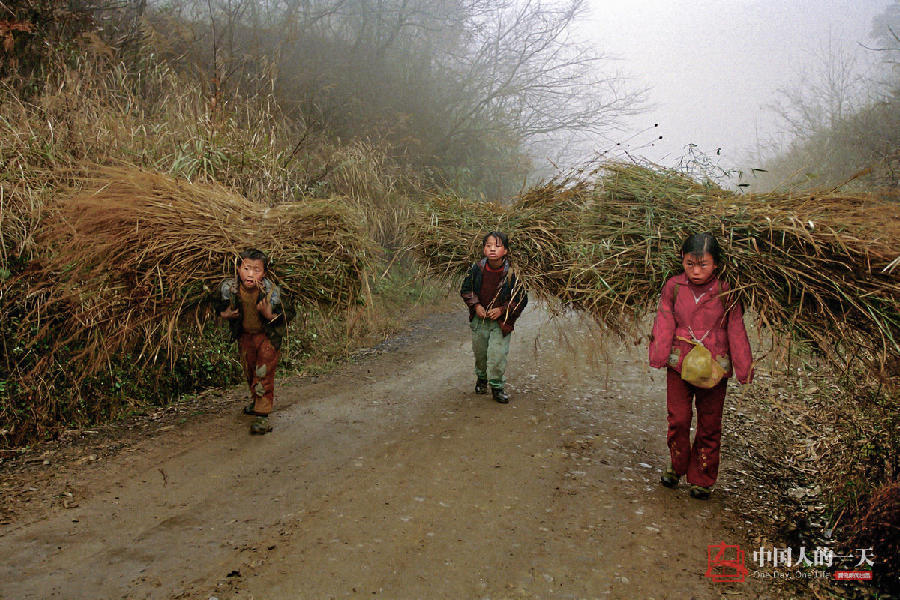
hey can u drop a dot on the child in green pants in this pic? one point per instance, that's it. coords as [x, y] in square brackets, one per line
[495, 301]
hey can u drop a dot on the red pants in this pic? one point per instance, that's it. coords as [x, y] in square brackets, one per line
[259, 359]
[700, 462]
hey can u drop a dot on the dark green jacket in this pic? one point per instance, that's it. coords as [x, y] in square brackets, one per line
[275, 329]
[510, 296]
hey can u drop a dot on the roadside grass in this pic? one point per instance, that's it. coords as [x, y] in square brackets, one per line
[87, 112]
[319, 338]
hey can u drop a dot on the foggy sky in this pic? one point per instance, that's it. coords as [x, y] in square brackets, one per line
[713, 64]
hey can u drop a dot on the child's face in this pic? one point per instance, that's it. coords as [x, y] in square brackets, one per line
[698, 268]
[251, 272]
[494, 249]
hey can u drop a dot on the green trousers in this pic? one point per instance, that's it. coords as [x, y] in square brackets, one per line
[491, 348]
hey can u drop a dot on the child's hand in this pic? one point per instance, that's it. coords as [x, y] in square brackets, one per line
[479, 310]
[229, 313]
[495, 313]
[265, 309]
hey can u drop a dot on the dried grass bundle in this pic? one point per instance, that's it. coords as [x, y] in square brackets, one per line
[134, 256]
[824, 268]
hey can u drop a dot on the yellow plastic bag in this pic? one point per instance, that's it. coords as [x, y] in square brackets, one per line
[698, 367]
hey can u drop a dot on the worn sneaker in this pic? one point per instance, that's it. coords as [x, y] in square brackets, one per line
[260, 426]
[500, 396]
[669, 477]
[700, 492]
[481, 386]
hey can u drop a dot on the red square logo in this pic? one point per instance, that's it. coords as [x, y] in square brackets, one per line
[725, 562]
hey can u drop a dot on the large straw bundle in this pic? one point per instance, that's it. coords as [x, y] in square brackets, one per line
[823, 268]
[134, 256]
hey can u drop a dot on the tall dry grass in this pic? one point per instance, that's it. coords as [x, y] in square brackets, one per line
[821, 269]
[96, 112]
[134, 256]
[129, 262]
[73, 351]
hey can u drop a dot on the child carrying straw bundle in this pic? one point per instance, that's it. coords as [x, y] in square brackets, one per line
[495, 300]
[255, 311]
[701, 341]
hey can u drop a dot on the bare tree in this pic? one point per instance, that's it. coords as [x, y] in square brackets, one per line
[886, 33]
[843, 123]
[523, 70]
[822, 97]
[461, 87]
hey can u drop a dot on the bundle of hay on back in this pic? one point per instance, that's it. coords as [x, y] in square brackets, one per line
[134, 257]
[823, 268]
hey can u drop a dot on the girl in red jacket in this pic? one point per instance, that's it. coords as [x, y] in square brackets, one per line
[694, 308]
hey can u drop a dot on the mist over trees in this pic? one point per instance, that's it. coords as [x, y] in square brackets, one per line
[842, 118]
[460, 90]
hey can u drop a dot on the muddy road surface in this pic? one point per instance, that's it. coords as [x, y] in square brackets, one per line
[390, 478]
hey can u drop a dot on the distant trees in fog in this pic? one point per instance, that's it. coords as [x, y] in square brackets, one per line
[459, 88]
[844, 125]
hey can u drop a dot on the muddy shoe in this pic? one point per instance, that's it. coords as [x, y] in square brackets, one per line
[669, 478]
[248, 410]
[260, 426]
[700, 493]
[500, 396]
[481, 386]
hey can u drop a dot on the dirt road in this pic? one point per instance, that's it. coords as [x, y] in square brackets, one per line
[390, 478]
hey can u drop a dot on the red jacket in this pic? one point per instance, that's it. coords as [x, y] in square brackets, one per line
[685, 308]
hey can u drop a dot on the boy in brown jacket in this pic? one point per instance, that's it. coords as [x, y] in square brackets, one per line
[253, 306]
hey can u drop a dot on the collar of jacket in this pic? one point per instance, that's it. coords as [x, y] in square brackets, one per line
[267, 290]
[482, 264]
[713, 287]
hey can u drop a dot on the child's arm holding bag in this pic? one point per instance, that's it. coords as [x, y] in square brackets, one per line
[739, 345]
[470, 294]
[663, 332]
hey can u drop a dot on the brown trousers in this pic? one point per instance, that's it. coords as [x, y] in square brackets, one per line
[259, 360]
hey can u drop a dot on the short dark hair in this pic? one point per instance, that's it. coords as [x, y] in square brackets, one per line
[699, 244]
[254, 254]
[499, 236]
